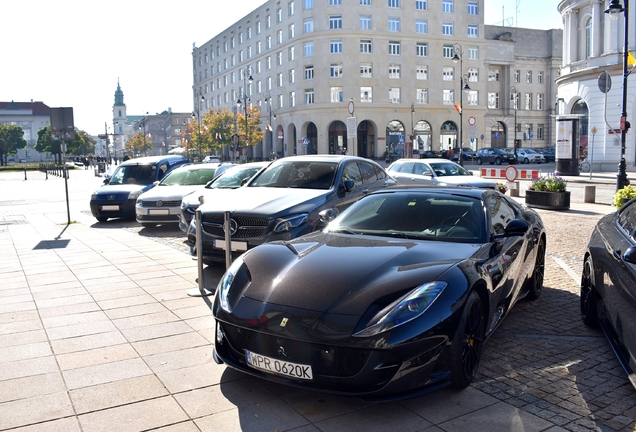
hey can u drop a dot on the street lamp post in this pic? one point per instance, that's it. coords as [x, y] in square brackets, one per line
[463, 85]
[614, 11]
[271, 112]
[198, 118]
[243, 98]
[514, 100]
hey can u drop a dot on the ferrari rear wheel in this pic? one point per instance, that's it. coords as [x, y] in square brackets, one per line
[468, 343]
[588, 295]
[536, 280]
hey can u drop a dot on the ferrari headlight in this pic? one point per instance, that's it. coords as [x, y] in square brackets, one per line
[134, 194]
[404, 310]
[287, 223]
[223, 288]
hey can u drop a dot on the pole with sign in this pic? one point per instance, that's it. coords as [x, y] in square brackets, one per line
[352, 127]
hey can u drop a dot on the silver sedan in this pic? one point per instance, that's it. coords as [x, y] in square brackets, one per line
[436, 172]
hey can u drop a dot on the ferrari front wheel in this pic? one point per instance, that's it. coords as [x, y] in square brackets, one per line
[468, 342]
[588, 295]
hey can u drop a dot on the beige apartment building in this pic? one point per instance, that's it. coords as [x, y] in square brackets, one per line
[371, 77]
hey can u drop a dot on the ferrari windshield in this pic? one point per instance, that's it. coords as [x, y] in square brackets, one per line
[188, 177]
[416, 215]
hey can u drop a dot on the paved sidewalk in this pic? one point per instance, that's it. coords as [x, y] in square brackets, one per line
[97, 334]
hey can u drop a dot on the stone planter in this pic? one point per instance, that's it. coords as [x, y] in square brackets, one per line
[548, 200]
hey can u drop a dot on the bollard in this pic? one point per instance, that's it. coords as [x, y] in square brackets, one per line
[514, 189]
[590, 194]
[46, 171]
[201, 291]
[25, 173]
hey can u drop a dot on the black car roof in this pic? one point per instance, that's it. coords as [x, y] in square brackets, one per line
[152, 160]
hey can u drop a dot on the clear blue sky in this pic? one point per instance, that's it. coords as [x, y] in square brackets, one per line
[70, 53]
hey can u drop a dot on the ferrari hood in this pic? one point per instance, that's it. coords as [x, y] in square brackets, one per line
[265, 201]
[344, 274]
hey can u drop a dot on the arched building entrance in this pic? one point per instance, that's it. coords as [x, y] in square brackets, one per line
[366, 139]
[423, 140]
[395, 138]
[338, 138]
[580, 108]
[498, 136]
[447, 135]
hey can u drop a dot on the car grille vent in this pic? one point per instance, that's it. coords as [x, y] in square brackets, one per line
[324, 359]
[153, 203]
[113, 196]
[247, 226]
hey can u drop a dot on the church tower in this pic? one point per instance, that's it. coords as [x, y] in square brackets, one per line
[120, 118]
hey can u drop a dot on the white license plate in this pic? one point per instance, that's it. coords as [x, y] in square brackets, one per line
[159, 212]
[236, 245]
[280, 367]
[110, 208]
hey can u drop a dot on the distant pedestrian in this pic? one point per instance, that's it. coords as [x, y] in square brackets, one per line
[451, 153]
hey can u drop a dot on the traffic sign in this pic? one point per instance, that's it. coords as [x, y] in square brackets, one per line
[531, 134]
[352, 127]
[305, 142]
[604, 82]
[351, 107]
[511, 173]
[472, 121]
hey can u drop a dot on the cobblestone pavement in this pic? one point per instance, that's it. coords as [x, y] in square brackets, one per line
[542, 365]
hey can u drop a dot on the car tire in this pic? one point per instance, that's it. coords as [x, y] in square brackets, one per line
[526, 161]
[468, 342]
[535, 284]
[101, 218]
[478, 161]
[148, 225]
[498, 161]
[589, 310]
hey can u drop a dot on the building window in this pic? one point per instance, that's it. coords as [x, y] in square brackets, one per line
[528, 101]
[365, 2]
[335, 46]
[268, 83]
[292, 99]
[279, 80]
[473, 74]
[394, 95]
[309, 4]
[394, 24]
[473, 53]
[421, 73]
[279, 15]
[280, 101]
[258, 66]
[394, 71]
[394, 3]
[249, 32]
[309, 25]
[473, 30]
[365, 46]
[493, 100]
[309, 72]
[268, 22]
[240, 57]
[540, 101]
[309, 96]
[258, 27]
[309, 49]
[422, 96]
[258, 47]
[336, 70]
[421, 49]
[394, 48]
[279, 37]
[336, 94]
[335, 2]
[529, 77]
[515, 100]
[448, 51]
[249, 52]
[292, 76]
[472, 97]
[588, 38]
[540, 129]
[540, 77]
[279, 58]
[448, 97]
[420, 4]
[447, 28]
[448, 73]
[290, 32]
[366, 70]
[365, 22]
[421, 26]
[268, 62]
[473, 8]
[517, 77]
[447, 6]
[335, 22]
[291, 53]
[366, 94]
[268, 42]
[290, 8]
[493, 74]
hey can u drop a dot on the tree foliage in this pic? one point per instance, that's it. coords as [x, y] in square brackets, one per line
[11, 140]
[139, 144]
[82, 144]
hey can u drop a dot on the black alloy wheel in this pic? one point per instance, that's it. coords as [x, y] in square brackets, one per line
[589, 311]
[536, 280]
[468, 343]
[478, 161]
[498, 161]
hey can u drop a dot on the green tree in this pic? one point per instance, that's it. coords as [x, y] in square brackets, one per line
[11, 140]
[139, 144]
[83, 144]
[47, 144]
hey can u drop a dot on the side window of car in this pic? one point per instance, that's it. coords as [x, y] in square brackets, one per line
[407, 168]
[380, 173]
[163, 168]
[368, 173]
[352, 171]
[421, 169]
[500, 213]
[627, 221]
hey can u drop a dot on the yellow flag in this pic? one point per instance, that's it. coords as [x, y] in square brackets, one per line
[630, 59]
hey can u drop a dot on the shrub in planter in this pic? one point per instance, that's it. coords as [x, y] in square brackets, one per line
[623, 195]
[549, 183]
[549, 193]
[502, 188]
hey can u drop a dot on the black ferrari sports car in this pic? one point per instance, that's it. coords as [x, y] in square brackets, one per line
[608, 296]
[396, 296]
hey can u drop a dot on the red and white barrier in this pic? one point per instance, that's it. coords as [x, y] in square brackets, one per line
[522, 174]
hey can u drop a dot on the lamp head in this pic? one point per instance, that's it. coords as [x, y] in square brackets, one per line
[614, 9]
[239, 103]
[456, 58]
[250, 79]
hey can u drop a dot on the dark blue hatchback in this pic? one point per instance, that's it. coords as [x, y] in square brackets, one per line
[117, 197]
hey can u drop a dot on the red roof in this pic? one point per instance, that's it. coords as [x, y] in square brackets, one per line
[38, 108]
